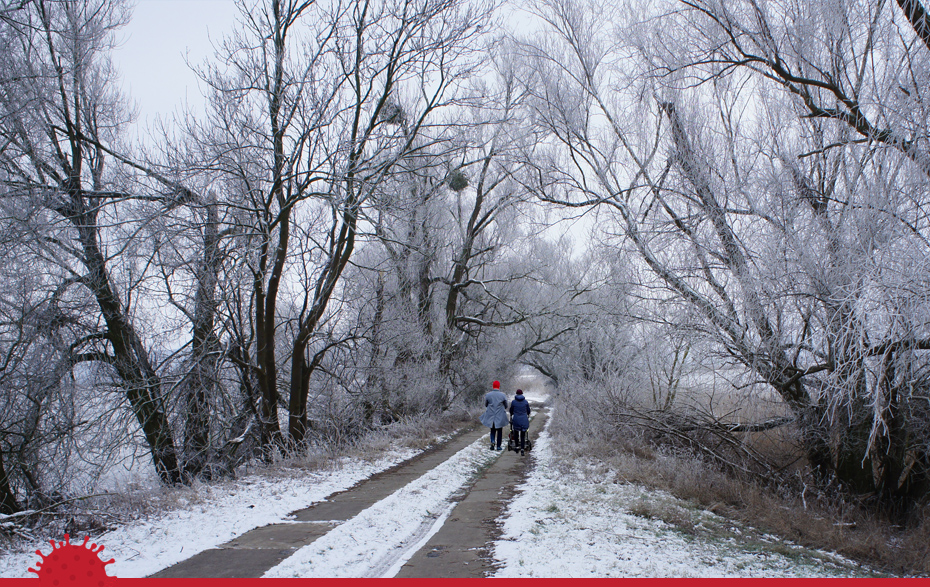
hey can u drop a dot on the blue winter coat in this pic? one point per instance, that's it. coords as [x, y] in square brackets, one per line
[496, 414]
[520, 413]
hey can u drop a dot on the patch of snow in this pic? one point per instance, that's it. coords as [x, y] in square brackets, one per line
[564, 522]
[380, 539]
[222, 512]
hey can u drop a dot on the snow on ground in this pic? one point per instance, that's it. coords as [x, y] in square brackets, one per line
[578, 521]
[566, 520]
[380, 539]
[222, 512]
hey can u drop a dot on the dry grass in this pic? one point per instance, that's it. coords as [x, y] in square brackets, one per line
[817, 521]
[790, 507]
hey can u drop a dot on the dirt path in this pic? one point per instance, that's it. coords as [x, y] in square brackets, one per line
[458, 549]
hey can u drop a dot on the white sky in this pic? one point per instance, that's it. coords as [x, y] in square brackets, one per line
[151, 57]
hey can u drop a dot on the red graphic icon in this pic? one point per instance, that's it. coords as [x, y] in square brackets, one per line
[72, 564]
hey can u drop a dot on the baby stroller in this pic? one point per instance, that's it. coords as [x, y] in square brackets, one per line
[513, 440]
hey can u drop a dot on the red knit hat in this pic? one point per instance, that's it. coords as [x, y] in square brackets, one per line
[496, 385]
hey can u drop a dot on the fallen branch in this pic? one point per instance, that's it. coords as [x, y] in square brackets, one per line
[708, 435]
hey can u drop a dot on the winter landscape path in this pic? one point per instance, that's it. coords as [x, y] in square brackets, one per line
[456, 510]
[458, 549]
[255, 552]
[461, 547]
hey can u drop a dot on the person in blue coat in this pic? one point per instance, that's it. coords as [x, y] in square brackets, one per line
[520, 418]
[495, 416]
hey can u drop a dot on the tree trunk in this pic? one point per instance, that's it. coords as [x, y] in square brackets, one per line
[267, 298]
[917, 16]
[900, 472]
[8, 503]
[374, 382]
[139, 379]
[300, 389]
[202, 377]
[342, 246]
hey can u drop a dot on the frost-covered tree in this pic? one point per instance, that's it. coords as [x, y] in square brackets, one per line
[445, 271]
[778, 218]
[58, 103]
[313, 106]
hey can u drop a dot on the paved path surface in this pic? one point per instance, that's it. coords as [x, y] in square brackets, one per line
[256, 551]
[458, 549]
[461, 547]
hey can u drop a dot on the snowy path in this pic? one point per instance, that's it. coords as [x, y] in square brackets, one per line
[574, 521]
[565, 520]
[377, 541]
[214, 515]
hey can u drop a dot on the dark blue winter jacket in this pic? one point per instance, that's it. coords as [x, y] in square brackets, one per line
[520, 413]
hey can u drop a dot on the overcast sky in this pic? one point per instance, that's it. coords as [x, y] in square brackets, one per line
[151, 57]
[156, 77]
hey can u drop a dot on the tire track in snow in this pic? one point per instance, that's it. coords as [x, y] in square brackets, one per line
[378, 540]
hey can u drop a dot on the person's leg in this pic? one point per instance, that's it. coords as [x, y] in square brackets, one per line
[522, 439]
[492, 437]
[500, 437]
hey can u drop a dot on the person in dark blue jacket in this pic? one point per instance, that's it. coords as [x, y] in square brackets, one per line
[520, 418]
